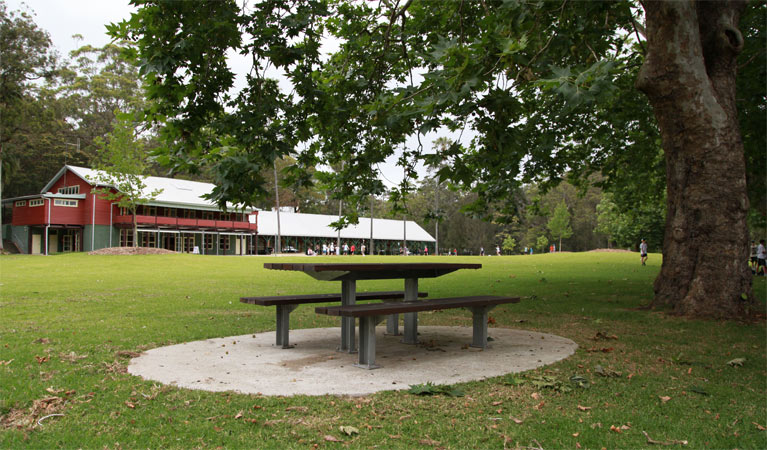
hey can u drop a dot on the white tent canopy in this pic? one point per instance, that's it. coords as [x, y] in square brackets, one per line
[318, 226]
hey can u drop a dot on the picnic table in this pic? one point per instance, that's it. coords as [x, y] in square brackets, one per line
[349, 274]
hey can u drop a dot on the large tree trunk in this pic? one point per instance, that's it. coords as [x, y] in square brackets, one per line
[689, 78]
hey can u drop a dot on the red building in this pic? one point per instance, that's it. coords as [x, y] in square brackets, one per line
[66, 216]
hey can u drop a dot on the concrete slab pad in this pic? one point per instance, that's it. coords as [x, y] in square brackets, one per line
[253, 364]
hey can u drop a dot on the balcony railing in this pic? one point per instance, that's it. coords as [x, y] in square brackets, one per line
[181, 222]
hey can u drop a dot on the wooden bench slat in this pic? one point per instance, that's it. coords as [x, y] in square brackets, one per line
[381, 309]
[322, 298]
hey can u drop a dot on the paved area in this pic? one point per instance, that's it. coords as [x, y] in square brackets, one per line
[253, 364]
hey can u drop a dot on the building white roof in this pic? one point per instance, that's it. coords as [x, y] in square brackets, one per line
[175, 192]
[318, 225]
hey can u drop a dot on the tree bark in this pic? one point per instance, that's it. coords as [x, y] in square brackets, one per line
[135, 229]
[689, 77]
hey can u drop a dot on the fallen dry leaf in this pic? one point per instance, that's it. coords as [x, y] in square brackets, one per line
[42, 359]
[535, 396]
[603, 336]
[515, 420]
[654, 442]
[330, 438]
[664, 398]
[496, 403]
[129, 404]
[297, 408]
[239, 414]
[431, 442]
[616, 429]
[576, 434]
[539, 406]
[584, 408]
[348, 430]
[759, 427]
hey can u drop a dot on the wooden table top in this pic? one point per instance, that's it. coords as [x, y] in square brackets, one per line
[372, 271]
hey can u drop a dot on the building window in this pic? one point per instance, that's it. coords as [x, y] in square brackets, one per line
[170, 212]
[209, 242]
[124, 212]
[188, 245]
[65, 202]
[208, 215]
[190, 214]
[126, 238]
[149, 211]
[21, 203]
[148, 239]
[36, 202]
[223, 242]
[69, 190]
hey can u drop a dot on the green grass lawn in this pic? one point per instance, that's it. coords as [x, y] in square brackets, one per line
[69, 324]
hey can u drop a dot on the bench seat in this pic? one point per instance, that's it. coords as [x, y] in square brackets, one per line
[371, 314]
[287, 303]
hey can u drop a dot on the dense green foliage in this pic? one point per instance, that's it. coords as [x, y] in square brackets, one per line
[26, 124]
[53, 109]
[70, 322]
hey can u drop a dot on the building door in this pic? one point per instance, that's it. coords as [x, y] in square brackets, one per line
[188, 243]
[53, 243]
[36, 245]
[66, 242]
[169, 241]
[70, 241]
[237, 245]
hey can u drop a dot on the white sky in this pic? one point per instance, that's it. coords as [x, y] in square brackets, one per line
[64, 18]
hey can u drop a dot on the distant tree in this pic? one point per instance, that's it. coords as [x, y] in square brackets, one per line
[509, 244]
[122, 162]
[559, 224]
[94, 83]
[610, 221]
[541, 243]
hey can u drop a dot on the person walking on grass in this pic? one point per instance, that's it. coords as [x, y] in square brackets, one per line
[643, 252]
[761, 259]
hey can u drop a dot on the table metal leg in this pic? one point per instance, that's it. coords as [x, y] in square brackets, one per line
[348, 297]
[411, 319]
[479, 319]
[392, 325]
[367, 354]
[283, 324]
